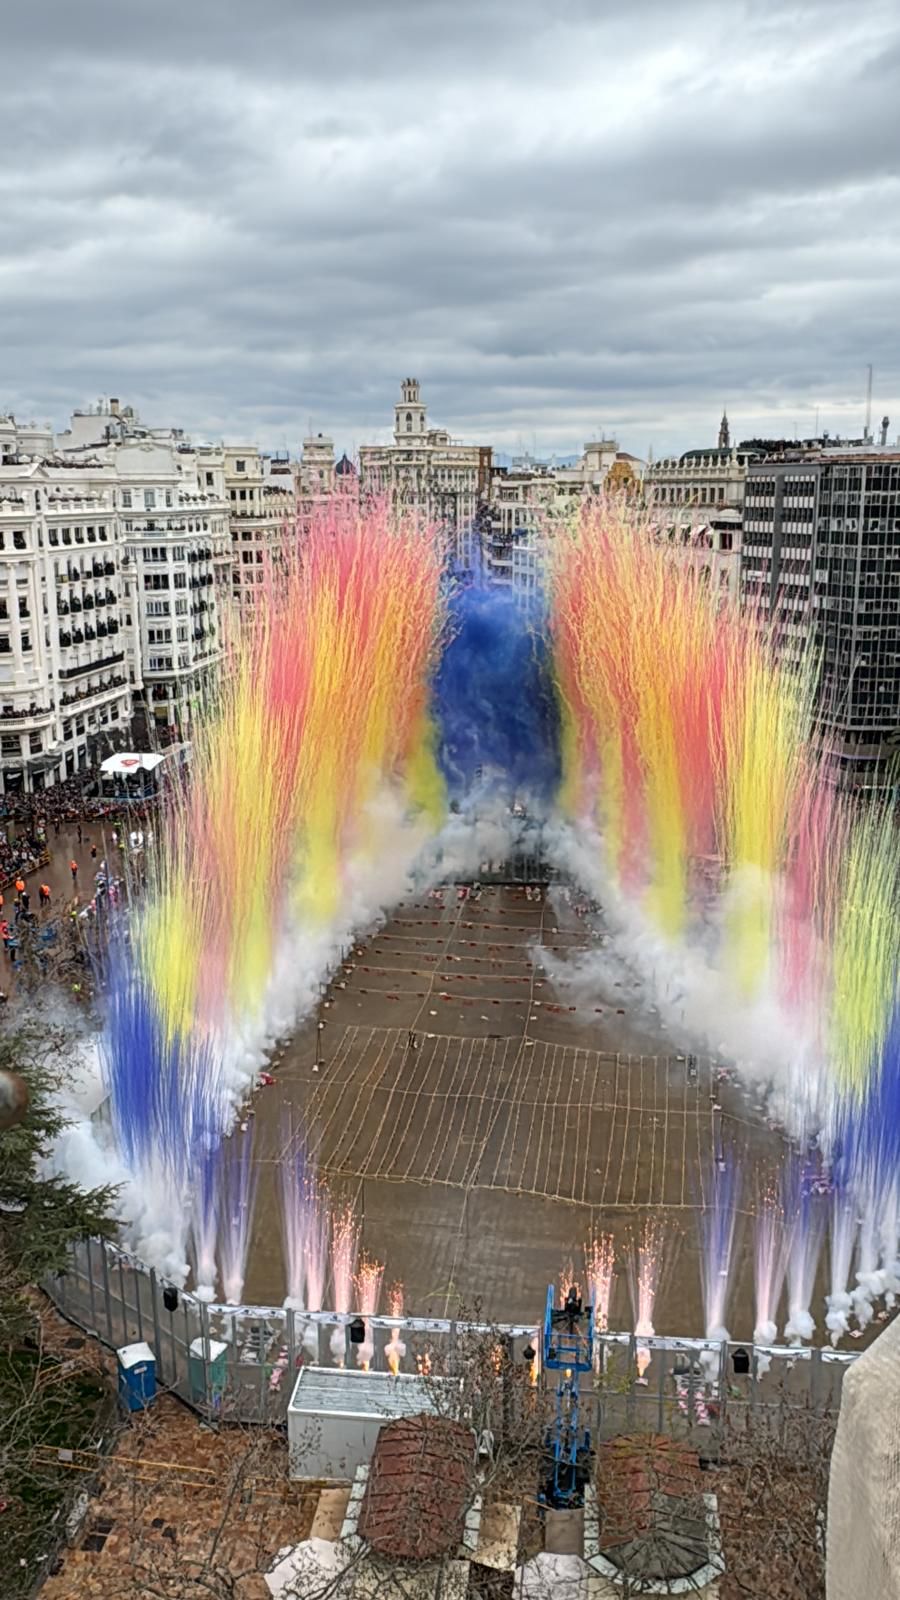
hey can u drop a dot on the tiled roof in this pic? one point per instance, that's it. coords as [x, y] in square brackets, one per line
[418, 1488]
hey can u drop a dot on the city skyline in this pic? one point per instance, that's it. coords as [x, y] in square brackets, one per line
[570, 228]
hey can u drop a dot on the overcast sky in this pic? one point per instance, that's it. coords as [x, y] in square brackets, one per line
[563, 216]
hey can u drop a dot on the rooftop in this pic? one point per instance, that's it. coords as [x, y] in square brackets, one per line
[418, 1487]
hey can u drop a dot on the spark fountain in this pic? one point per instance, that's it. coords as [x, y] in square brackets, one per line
[368, 1294]
[395, 1349]
[344, 1250]
[600, 1268]
[644, 1263]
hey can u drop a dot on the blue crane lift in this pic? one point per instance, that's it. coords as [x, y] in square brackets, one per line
[568, 1350]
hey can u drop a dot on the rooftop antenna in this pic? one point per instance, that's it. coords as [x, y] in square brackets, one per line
[867, 432]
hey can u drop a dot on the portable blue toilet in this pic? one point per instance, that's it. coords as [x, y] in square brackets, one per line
[137, 1376]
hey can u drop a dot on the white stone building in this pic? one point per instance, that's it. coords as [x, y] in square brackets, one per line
[173, 528]
[701, 480]
[424, 469]
[67, 669]
[262, 503]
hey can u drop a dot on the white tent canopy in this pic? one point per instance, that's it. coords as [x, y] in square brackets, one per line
[131, 761]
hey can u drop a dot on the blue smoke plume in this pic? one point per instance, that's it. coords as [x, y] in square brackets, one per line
[493, 698]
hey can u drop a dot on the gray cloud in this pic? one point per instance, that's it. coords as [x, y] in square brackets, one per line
[559, 219]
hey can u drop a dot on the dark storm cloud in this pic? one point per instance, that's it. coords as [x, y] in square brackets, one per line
[241, 218]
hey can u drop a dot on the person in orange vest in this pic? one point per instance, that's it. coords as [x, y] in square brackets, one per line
[20, 886]
[44, 892]
[4, 935]
[73, 867]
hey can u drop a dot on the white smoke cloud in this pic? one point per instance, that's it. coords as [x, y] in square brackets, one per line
[401, 856]
[686, 984]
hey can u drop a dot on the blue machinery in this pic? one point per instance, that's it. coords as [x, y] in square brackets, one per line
[568, 1350]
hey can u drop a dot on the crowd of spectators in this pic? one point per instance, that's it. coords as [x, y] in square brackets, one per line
[29, 823]
[21, 853]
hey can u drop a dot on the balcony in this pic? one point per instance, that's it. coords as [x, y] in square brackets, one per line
[72, 697]
[10, 714]
[93, 666]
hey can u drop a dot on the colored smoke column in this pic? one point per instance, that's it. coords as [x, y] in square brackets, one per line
[494, 699]
[326, 700]
[689, 742]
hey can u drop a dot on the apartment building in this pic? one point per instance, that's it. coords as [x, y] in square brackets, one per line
[262, 504]
[822, 558]
[67, 669]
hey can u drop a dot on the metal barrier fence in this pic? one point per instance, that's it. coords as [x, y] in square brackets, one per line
[240, 1361]
[237, 1361]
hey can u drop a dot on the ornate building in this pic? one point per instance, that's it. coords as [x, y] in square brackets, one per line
[424, 469]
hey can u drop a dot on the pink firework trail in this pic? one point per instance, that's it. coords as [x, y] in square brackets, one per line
[600, 1266]
[344, 1250]
[643, 1279]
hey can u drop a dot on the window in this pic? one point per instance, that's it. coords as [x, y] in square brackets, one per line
[67, 535]
[149, 499]
[35, 743]
[126, 499]
[5, 646]
[9, 745]
[159, 635]
[53, 536]
[180, 580]
[181, 633]
[178, 552]
[240, 466]
[18, 539]
[168, 497]
[209, 478]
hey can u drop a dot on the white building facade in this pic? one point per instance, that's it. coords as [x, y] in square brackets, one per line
[262, 506]
[67, 668]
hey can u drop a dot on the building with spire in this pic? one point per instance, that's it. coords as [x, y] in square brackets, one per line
[724, 432]
[424, 469]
